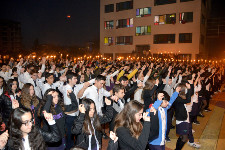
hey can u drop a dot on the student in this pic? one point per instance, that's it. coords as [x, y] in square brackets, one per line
[148, 92]
[132, 135]
[118, 91]
[50, 83]
[54, 104]
[182, 115]
[30, 101]
[23, 135]
[2, 85]
[9, 100]
[87, 126]
[161, 105]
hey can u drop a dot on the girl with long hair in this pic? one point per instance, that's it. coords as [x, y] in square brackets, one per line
[131, 133]
[52, 103]
[87, 126]
[30, 101]
[9, 100]
[22, 135]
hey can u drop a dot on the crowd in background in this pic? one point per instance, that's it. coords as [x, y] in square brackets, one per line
[65, 104]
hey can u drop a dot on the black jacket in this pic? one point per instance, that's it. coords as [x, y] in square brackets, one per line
[82, 139]
[129, 91]
[148, 97]
[6, 107]
[180, 110]
[127, 142]
[52, 136]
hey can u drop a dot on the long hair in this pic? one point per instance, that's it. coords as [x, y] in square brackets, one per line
[182, 92]
[87, 121]
[149, 84]
[126, 118]
[26, 98]
[9, 86]
[36, 140]
[4, 86]
[52, 108]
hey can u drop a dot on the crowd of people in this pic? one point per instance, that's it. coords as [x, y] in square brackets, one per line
[64, 104]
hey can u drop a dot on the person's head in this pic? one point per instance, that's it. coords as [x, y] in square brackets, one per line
[100, 81]
[14, 71]
[12, 86]
[88, 70]
[3, 67]
[165, 99]
[149, 84]
[82, 78]
[130, 118]
[34, 74]
[56, 100]
[21, 125]
[183, 90]
[118, 90]
[29, 68]
[49, 78]
[71, 78]
[170, 80]
[28, 96]
[90, 115]
[124, 81]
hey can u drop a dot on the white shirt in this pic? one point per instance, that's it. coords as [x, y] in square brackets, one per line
[138, 92]
[92, 93]
[26, 143]
[5, 75]
[37, 88]
[47, 86]
[163, 118]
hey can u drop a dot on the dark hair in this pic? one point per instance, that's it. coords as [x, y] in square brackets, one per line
[123, 78]
[48, 75]
[100, 77]
[166, 95]
[182, 93]
[4, 86]
[36, 140]
[87, 121]
[33, 71]
[126, 118]
[52, 108]
[14, 69]
[117, 88]
[9, 86]
[70, 75]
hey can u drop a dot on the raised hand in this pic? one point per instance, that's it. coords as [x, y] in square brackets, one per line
[82, 108]
[107, 101]
[146, 117]
[178, 89]
[3, 139]
[160, 96]
[48, 116]
[113, 136]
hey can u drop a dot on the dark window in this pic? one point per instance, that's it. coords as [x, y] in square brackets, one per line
[202, 39]
[108, 24]
[124, 23]
[186, 17]
[124, 40]
[163, 2]
[203, 20]
[185, 0]
[108, 41]
[124, 5]
[109, 8]
[143, 12]
[185, 38]
[143, 30]
[164, 38]
[165, 19]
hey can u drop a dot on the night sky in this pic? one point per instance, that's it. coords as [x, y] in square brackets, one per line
[47, 20]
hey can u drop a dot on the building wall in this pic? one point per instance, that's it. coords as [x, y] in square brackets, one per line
[176, 48]
[10, 37]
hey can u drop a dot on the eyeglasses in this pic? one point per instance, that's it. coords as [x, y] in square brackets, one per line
[27, 123]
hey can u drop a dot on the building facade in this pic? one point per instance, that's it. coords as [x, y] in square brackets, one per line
[153, 28]
[10, 37]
